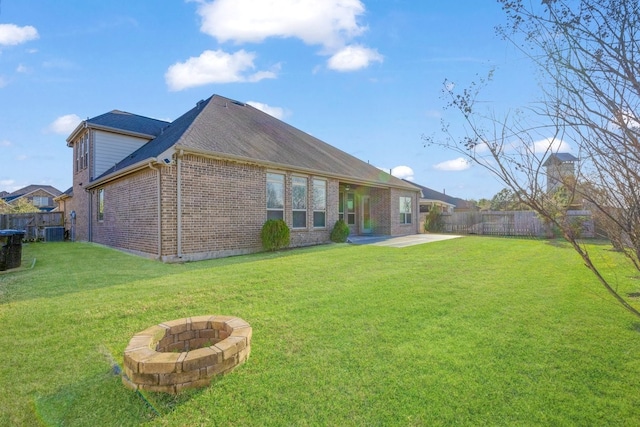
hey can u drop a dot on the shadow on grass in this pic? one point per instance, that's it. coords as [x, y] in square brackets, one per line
[79, 404]
[65, 268]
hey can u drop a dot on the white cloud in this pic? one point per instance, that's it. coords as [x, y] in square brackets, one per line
[3, 82]
[64, 125]
[23, 69]
[328, 23]
[5, 143]
[8, 185]
[355, 57]
[214, 67]
[11, 34]
[458, 164]
[276, 112]
[553, 145]
[402, 172]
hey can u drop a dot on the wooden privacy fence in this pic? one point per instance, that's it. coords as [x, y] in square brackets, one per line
[35, 224]
[511, 223]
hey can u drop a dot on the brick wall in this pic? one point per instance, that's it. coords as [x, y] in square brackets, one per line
[130, 213]
[222, 209]
[398, 229]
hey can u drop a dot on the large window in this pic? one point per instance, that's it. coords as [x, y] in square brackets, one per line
[405, 210]
[275, 196]
[100, 209]
[299, 201]
[319, 203]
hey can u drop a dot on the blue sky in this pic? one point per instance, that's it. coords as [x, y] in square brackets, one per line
[362, 75]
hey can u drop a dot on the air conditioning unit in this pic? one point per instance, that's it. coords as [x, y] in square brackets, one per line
[54, 234]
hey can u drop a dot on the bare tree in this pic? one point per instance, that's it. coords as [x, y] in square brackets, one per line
[587, 54]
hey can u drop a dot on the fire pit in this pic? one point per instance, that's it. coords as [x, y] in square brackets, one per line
[185, 353]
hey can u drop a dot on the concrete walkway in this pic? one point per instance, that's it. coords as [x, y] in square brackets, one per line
[400, 242]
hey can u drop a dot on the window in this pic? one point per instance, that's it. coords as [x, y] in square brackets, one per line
[82, 152]
[100, 204]
[319, 203]
[405, 210]
[86, 150]
[299, 201]
[341, 206]
[78, 152]
[351, 209]
[275, 196]
[40, 201]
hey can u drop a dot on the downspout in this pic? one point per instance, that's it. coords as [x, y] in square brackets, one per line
[179, 201]
[90, 216]
[159, 210]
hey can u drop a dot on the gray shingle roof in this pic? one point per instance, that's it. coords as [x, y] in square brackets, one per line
[129, 122]
[428, 193]
[31, 188]
[222, 127]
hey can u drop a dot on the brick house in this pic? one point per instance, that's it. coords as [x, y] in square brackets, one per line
[203, 185]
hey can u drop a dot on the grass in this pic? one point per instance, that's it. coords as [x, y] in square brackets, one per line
[472, 331]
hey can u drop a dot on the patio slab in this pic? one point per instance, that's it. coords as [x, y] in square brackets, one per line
[400, 241]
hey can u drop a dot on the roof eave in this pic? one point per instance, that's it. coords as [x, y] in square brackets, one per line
[122, 172]
[85, 124]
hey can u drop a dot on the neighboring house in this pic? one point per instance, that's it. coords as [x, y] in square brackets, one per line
[559, 166]
[203, 185]
[41, 196]
[430, 199]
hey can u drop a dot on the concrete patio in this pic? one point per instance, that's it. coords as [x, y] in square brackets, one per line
[401, 241]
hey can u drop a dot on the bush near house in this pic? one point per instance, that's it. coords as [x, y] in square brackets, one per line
[340, 232]
[275, 235]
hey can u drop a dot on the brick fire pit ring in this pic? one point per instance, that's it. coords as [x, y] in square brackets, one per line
[185, 353]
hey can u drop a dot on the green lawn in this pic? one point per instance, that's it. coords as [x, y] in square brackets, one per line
[472, 331]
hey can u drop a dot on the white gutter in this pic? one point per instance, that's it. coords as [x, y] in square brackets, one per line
[143, 164]
[85, 125]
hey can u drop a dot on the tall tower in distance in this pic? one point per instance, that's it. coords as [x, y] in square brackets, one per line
[559, 166]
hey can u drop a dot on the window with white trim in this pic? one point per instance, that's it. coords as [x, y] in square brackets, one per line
[319, 203]
[405, 210]
[299, 201]
[40, 201]
[275, 196]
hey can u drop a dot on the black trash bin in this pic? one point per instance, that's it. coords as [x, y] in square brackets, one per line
[10, 249]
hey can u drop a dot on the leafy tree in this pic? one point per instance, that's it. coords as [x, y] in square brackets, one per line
[586, 54]
[23, 205]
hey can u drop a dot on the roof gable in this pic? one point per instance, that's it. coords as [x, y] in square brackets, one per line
[31, 188]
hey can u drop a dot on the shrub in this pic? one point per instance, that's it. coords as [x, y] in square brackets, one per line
[434, 222]
[340, 232]
[274, 235]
